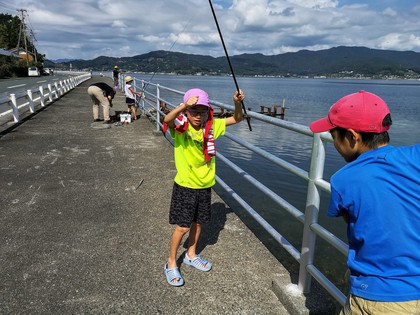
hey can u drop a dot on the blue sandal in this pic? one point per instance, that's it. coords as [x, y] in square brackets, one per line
[197, 262]
[171, 274]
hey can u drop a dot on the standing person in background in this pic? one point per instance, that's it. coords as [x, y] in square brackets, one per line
[101, 94]
[194, 130]
[131, 96]
[115, 75]
[378, 195]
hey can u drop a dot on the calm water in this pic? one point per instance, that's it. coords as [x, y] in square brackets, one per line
[306, 100]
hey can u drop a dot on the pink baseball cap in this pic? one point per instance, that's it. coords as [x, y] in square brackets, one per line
[362, 111]
[203, 97]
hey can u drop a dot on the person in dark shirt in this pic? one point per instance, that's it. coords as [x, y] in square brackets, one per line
[101, 94]
[115, 75]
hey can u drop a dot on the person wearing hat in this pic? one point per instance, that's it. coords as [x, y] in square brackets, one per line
[130, 96]
[101, 94]
[194, 130]
[378, 195]
[115, 75]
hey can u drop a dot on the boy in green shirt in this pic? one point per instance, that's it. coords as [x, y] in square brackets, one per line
[194, 130]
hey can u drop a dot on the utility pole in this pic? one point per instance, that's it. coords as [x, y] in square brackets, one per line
[33, 40]
[22, 31]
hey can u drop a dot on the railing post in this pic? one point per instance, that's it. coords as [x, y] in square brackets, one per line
[56, 89]
[311, 213]
[31, 101]
[143, 96]
[66, 85]
[15, 108]
[50, 92]
[41, 95]
[61, 88]
[157, 107]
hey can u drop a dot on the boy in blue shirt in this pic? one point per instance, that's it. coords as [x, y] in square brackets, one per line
[378, 195]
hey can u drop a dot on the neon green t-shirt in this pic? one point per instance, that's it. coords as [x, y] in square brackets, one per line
[190, 163]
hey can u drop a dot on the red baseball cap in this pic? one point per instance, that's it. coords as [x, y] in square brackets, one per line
[362, 111]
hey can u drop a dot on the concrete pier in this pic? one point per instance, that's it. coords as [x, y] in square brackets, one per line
[84, 225]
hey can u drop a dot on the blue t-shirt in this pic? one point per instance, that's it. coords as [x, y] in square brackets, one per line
[380, 191]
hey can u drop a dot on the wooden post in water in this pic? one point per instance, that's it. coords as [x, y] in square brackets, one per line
[283, 109]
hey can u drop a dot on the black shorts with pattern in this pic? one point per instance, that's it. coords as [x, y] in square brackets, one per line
[190, 205]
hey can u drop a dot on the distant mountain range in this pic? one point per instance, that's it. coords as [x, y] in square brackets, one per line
[338, 61]
[62, 60]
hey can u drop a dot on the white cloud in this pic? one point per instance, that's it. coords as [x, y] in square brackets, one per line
[119, 24]
[390, 12]
[403, 41]
[86, 28]
[315, 4]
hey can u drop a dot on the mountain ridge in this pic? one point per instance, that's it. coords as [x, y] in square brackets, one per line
[335, 61]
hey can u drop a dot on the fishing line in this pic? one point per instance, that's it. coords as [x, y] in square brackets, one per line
[170, 49]
[230, 64]
[143, 95]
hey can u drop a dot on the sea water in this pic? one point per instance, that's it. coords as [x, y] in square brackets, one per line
[305, 100]
[309, 99]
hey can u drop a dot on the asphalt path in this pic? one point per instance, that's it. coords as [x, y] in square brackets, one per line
[85, 229]
[84, 226]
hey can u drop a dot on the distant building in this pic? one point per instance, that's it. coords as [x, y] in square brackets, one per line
[4, 52]
[7, 56]
[23, 55]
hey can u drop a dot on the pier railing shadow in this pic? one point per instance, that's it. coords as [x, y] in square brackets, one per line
[155, 104]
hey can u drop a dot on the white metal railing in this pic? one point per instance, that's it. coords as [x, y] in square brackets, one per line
[46, 93]
[152, 105]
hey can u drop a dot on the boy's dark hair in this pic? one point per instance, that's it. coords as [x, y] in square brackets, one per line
[370, 139]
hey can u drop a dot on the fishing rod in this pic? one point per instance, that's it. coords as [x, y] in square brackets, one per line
[230, 64]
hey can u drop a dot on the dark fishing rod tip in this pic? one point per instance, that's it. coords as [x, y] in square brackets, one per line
[248, 120]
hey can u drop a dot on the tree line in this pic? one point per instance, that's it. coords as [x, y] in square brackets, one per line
[333, 62]
[14, 35]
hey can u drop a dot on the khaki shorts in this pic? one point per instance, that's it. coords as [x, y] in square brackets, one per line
[358, 306]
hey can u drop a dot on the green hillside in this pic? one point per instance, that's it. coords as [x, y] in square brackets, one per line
[337, 61]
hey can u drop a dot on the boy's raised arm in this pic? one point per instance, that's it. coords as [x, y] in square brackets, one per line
[238, 97]
[170, 117]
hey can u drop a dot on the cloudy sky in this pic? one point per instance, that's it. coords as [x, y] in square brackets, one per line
[86, 29]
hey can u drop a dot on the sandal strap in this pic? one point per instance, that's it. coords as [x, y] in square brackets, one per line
[199, 260]
[173, 273]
